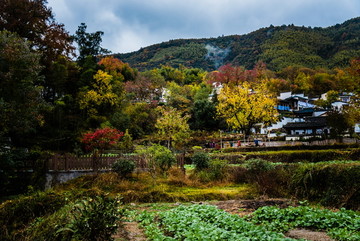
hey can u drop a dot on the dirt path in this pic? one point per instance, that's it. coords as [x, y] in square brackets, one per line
[130, 231]
[308, 235]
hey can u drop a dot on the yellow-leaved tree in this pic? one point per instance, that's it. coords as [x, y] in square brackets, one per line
[173, 126]
[101, 98]
[243, 107]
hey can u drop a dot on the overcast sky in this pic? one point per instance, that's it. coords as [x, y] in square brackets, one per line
[129, 25]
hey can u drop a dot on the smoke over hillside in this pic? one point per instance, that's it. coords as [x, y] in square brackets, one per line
[216, 54]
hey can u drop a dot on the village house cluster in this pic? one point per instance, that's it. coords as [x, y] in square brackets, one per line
[303, 119]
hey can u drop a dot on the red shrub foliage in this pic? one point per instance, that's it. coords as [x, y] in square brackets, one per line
[101, 139]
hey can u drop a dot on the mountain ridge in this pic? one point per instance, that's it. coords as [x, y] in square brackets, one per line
[277, 46]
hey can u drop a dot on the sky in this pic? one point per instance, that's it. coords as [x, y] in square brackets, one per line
[129, 25]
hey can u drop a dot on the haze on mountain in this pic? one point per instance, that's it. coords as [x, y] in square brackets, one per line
[277, 46]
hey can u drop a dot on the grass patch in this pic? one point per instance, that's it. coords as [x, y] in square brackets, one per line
[142, 188]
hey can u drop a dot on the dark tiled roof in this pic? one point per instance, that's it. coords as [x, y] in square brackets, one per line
[311, 122]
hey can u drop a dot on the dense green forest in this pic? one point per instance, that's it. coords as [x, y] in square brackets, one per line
[277, 46]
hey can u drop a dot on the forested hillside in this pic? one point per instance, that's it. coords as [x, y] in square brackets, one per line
[278, 47]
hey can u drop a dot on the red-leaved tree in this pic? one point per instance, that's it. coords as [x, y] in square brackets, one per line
[100, 140]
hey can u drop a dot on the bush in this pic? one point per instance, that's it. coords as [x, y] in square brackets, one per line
[260, 172]
[159, 158]
[16, 214]
[87, 219]
[258, 166]
[164, 160]
[124, 167]
[200, 160]
[216, 171]
[333, 184]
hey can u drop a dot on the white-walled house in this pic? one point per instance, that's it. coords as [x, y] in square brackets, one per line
[338, 105]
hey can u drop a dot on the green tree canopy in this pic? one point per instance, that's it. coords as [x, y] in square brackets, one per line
[20, 99]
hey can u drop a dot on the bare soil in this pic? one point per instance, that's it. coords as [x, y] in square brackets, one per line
[308, 235]
[130, 231]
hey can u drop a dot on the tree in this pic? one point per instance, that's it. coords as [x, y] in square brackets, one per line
[181, 97]
[158, 158]
[147, 87]
[119, 70]
[101, 139]
[102, 99]
[139, 118]
[338, 124]
[331, 97]
[204, 115]
[20, 100]
[243, 108]
[89, 44]
[173, 127]
[127, 145]
[235, 75]
[34, 21]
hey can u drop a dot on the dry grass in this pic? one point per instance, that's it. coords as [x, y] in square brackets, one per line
[176, 186]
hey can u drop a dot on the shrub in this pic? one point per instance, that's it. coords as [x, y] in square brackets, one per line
[16, 214]
[257, 166]
[87, 219]
[216, 171]
[200, 160]
[333, 184]
[259, 173]
[177, 177]
[238, 174]
[159, 158]
[124, 167]
[94, 219]
[164, 160]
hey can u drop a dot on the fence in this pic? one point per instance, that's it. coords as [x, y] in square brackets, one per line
[69, 162]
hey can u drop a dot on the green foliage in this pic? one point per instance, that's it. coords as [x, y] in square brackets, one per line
[21, 104]
[258, 165]
[126, 144]
[173, 127]
[16, 214]
[300, 155]
[88, 219]
[341, 225]
[333, 184]
[203, 222]
[201, 160]
[296, 47]
[138, 118]
[279, 47]
[164, 160]
[159, 158]
[14, 182]
[124, 167]
[89, 43]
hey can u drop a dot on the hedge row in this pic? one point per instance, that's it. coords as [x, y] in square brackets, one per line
[292, 156]
[335, 184]
[337, 146]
